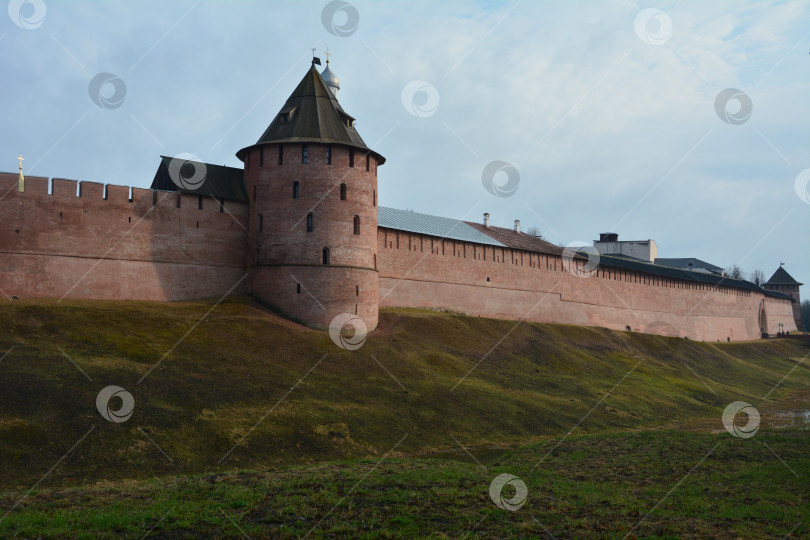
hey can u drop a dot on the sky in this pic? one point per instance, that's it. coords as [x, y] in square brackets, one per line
[685, 122]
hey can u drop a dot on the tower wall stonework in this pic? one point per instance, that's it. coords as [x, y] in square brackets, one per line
[285, 260]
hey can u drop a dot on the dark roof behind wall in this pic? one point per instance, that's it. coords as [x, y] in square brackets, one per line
[684, 275]
[220, 182]
[689, 263]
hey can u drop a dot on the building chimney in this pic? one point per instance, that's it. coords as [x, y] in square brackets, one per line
[486, 219]
[608, 237]
[517, 225]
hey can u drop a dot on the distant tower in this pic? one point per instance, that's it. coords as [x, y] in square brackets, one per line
[312, 183]
[783, 282]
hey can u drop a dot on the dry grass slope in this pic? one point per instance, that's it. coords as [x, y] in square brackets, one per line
[234, 368]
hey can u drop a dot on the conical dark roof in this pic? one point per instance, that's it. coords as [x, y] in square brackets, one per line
[781, 277]
[313, 114]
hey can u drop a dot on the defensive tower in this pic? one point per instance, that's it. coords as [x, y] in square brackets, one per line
[784, 283]
[312, 186]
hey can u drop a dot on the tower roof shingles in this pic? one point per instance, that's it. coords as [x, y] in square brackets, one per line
[781, 277]
[312, 114]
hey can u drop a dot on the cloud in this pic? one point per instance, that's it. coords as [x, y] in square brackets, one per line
[594, 119]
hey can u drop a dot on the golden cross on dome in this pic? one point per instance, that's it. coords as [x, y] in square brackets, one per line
[21, 160]
[327, 55]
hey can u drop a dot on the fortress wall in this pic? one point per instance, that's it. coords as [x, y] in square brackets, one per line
[162, 246]
[92, 247]
[510, 284]
[50, 276]
[779, 310]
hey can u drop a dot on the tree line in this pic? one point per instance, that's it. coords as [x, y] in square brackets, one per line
[757, 277]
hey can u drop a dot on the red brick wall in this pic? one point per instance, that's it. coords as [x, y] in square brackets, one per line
[510, 284]
[793, 292]
[85, 246]
[90, 247]
[284, 251]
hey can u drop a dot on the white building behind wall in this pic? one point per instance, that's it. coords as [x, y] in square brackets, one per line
[609, 244]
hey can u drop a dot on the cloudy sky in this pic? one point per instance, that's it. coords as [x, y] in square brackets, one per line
[615, 115]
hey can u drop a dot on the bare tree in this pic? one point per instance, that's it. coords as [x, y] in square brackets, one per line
[735, 272]
[758, 277]
[533, 231]
[806, 315]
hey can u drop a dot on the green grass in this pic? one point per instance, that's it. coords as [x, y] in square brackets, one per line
[651, 484]
[296, 402]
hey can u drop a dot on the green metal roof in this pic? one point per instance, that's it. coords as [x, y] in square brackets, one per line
[312, 114]
[440, 227]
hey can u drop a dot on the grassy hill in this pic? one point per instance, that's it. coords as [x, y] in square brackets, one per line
[232, 387]
[237, 365]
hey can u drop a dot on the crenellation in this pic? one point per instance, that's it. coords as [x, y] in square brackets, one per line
[8, 183]
[142, 197]
[36, 185]
[117, 195]
[91, 190]
[64, 188]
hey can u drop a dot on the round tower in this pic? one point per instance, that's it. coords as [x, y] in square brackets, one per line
[312, 185]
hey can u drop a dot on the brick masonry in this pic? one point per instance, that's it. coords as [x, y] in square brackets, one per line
[94, 241]
[421, 271]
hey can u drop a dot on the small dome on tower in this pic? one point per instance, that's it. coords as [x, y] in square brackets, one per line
[330, 79]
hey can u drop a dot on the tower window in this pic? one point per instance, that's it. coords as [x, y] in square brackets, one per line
[357, 290]
[351, 157]
[298, 288]
[260, 220]
[356, 224]
[199, 202]
[325, 256]
[296, 190]
[304, 152]
[374, 197]
[285, 118]
[309, 222]
[368, 162]
[178, 204]
[281, 154]
[254, 193]
[342, 192]
[221, 205]
[261, 156]
[329, 155]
